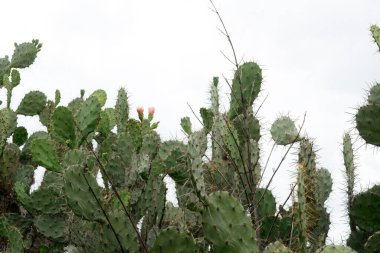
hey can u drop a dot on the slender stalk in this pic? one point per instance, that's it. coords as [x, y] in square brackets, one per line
[104, 212]
[283, 159]
[141, 241]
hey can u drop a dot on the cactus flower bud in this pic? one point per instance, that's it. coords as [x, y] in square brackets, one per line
[151, 110]
[140, 112]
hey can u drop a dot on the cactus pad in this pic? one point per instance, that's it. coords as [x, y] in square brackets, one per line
[226, 225]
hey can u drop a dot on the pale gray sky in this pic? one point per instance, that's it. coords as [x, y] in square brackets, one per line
[318, 57]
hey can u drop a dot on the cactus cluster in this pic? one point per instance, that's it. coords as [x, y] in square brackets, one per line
[364, 207]
[223, 204]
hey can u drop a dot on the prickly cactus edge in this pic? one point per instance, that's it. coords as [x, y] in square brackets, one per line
[222, 207]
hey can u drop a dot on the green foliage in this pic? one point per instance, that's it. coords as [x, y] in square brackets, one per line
[246, 86]
[63, 126]
[222, 206]
[25, 54]
[277, 247]
[32, 104]
[87, 117]
[173, 241]
[226, 225]
[45, 154]
[186, 125]
[336, 249]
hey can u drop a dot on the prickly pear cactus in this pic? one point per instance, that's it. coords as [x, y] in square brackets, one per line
[277, 247]
[337, 249]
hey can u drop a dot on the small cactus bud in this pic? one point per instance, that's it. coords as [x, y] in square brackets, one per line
[140, 112]
[151, 111]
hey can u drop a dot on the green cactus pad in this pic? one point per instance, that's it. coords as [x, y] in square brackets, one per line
[47, 200]
[284, 131]
[15, 78]
[277, 247]
[20, 136]
[226, 225]
[25, 175]
[25, 53]
[32, 104]
[336, 249]
[13, 236]
[174, 241]
[121, 110]
[253, 125]
[375, 30]
[368, 123]
[4, 68]
[79, 196]
[365, 209]
[186, 125]
[63, 126]
[8, 124]
[124, 230]
[197, 147]
[116, 171]
[374, 95]
[267, 205]
[44, 154]
[57, 97]
[104, 125]
[324, 185]
[53, 227]
[101, 95]
[46, 114]
[150, 144]
[207, 118]
[87, 117]
[246, 86]
[373, 243]
[75, 105]
[9, 163]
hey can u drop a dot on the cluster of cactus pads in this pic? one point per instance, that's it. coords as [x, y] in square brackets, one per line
[223, 204]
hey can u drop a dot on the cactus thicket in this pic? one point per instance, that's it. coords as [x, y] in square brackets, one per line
[223, 203]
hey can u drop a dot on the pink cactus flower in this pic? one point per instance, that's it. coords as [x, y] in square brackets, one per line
[151, 110]
[140, 110]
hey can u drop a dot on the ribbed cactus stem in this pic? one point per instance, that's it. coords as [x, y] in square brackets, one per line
[301, 225]
[214, 95]
[375, 30]
[307, 193]
[348, 156]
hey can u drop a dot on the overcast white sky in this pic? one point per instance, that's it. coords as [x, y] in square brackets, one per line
[317, 56]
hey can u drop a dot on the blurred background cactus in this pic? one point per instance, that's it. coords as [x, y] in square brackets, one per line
[224, 205]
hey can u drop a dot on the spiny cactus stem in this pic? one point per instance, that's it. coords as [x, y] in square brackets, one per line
[141, 241]
[246, 173]
[9, 97]
[283, 157]
[227, 153]
[104, 212]
[232, 91]
[220, 173]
